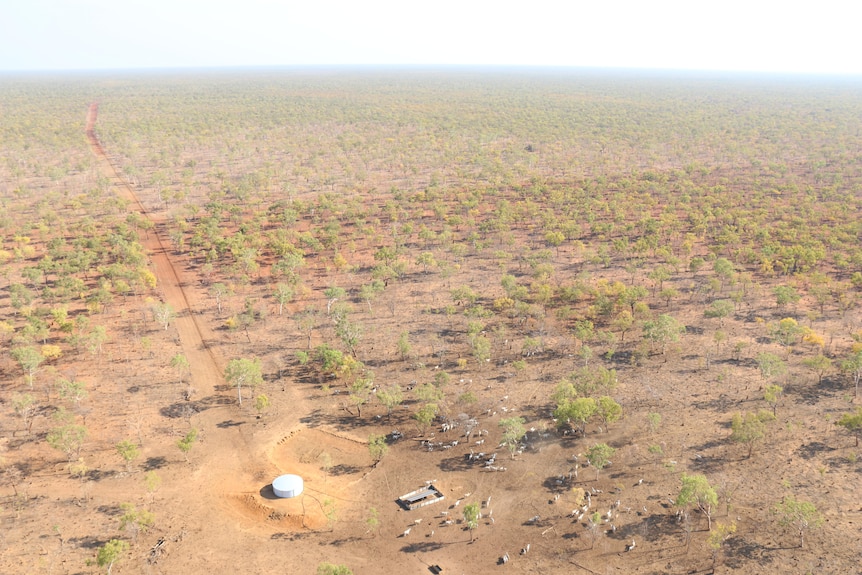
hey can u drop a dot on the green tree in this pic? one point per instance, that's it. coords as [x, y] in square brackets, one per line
[749, 429]
[801, 515]
[111, 552]
[819, 364]
[377, 447]
[787, 332]
[697, 492]
[181, 364]
[373, 520]
[72, 390]
[608, 410]
[599, 455]
[770, 365]
[576, 412]
[135, 520]
[772, 395]
[261, 403]
[471, 517]
[332, 569]
[219, 291]
[593, 527]
[282, 293]
[391, 398]
[513, 432]
[852, 422]
[25, 407]
[853, 366]
[128, 452]
[663, 330]
[152, 482]
[29, 359]
[425, 416]
[243, 372]
[187, 442]
[404, 345]
[163, 313]
[67, 438]
[717, 538]
[720, 309]
[785, 295]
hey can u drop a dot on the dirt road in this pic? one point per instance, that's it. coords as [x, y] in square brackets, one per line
[205, 372]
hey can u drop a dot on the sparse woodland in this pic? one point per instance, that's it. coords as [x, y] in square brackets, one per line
[644, 289]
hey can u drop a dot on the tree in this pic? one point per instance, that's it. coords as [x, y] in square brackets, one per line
[720, 309]
[187, 442]
[697, 492]
[663, 330]
[404, 345]
[240, 372]
[391, 398]
[785, 295]
[332, 569]
[772, 395]
[576, 412]
[852, 423]
[853, 366]
[128, 451]
[608, 410]
[261, 403]
[282, 293]
[599, 455]
[801, 515]
[219, 291]
[471, 517]
[770, 365]
[426, 260]
[29, 359]
[787, 332]
[67, 438]
[181, 364]
[377, 447]
[749, 429]
[723, 268]
[718, 538]
[135, 520]
[593, 527]
[111, 552]
[373, 520]
[426, 415]
[163, 313]
[819, 364]
[513, 432]
[25, 407]
[71, 389]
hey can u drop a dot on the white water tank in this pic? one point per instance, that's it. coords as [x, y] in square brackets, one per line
[287, 485]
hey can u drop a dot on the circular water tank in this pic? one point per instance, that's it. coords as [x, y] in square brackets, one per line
[287, 485]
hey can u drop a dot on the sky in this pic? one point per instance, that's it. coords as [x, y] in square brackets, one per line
[754, 35]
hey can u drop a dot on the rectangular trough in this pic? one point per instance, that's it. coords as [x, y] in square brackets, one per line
[421, 497]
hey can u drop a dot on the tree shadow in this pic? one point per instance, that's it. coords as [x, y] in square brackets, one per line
[740, 551]
[339, 470]
[340, 542]
[459, 463]
[227, 423]
[155, 463]
[423, 546]
[813, 449]
[88, 542]
[182, 409]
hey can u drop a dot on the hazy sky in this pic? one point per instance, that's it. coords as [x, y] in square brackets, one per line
[778, 36]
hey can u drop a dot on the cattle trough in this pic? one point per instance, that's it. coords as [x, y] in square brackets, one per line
[420, 497]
